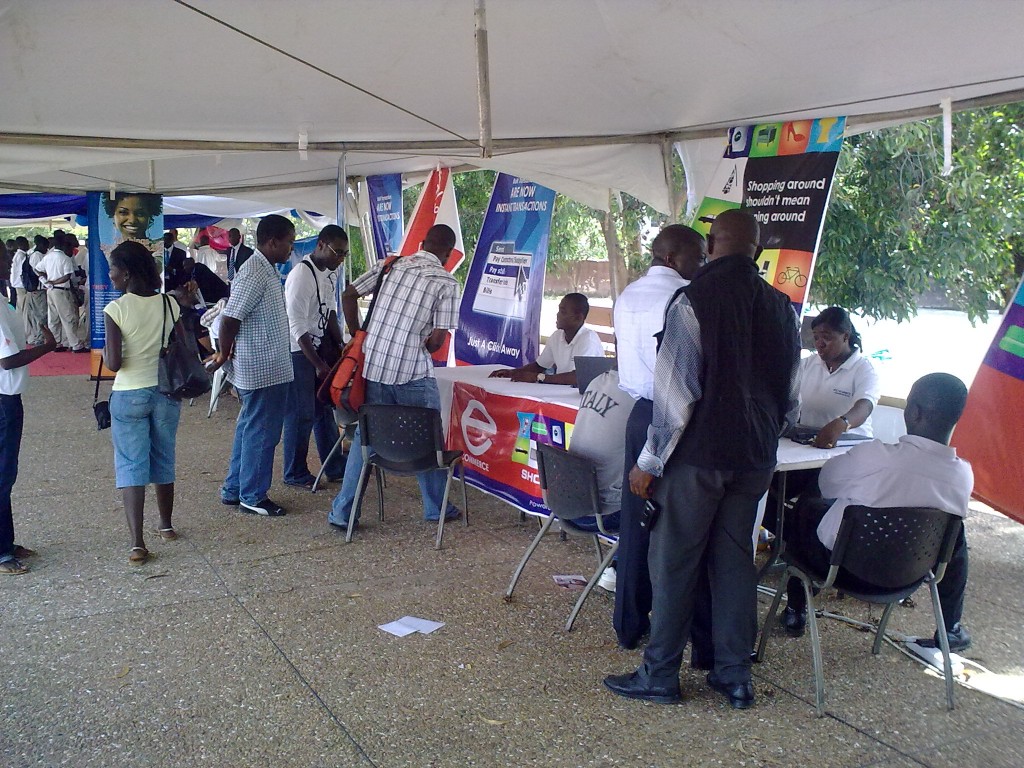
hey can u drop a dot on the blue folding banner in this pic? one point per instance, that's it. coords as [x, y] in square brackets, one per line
[499, 320]
[386, 211]
[128, 216]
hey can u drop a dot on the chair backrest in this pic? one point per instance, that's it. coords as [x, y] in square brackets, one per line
[402, 433]
[568, 483]
[894, 547]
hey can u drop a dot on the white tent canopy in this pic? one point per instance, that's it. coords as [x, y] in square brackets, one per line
[215, 97]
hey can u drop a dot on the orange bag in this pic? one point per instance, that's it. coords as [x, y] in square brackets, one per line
[346, 386]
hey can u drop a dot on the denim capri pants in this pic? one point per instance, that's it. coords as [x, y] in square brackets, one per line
[143, 425]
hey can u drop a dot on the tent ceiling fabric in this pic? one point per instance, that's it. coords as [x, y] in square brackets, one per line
[398, 73]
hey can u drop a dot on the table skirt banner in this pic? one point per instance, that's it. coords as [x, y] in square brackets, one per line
[499, 435]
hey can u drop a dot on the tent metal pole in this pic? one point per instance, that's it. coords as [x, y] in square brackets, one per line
[341, 190]
[483, 78]
[670, 182]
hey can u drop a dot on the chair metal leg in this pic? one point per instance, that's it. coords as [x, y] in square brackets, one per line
[323, 466]
[769, 620]
[465, 497]
[357, 505]
[882, 624]
[444, 508]
[529, 552]
[590, 584]
[597, 548]
[940, 628]
[378, 473]
[812, 625]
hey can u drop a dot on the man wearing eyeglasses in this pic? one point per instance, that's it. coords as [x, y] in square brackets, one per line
[309, 293]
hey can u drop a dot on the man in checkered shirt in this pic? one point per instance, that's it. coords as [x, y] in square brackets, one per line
[254, 343]
[417, 306]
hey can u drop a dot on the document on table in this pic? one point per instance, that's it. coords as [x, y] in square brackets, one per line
[409, 624]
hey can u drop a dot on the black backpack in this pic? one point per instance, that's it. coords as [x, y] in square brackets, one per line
[29, 278]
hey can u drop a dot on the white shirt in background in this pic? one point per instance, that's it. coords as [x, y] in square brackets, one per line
[57, 264]
[915, 472]
[559, 354]
[639, 314]
[826, 396]
[305, 314]
[16, 263]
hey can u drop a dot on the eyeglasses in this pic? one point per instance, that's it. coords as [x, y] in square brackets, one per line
[342, 255]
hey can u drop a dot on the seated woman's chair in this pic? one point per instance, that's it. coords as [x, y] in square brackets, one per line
[405, 440]
[881, 556]
[569, 485]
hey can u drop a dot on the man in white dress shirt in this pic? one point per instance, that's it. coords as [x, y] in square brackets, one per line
[676, 253]
[62, 312]
[569, 341]
[921, 470]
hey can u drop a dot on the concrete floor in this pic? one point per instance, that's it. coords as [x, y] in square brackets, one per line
[254, 641]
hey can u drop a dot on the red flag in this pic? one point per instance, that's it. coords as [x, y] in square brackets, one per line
[436, 205]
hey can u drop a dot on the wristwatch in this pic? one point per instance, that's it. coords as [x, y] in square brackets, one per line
[541, 377]
[845, 421]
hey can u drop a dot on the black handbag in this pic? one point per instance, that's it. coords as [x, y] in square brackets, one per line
[100, 408]
[181, 373]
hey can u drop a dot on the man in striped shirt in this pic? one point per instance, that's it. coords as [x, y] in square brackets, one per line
[418, 303]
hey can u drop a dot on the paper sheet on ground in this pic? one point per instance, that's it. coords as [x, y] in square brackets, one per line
[571, 582]
[409, 624]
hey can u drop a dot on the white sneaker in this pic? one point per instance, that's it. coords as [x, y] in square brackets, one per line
[607, 580]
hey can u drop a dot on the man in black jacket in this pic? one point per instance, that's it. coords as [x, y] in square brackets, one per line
[723, 392]
[237, 253]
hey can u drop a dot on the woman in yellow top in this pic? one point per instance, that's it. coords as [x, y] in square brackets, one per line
[144, 423]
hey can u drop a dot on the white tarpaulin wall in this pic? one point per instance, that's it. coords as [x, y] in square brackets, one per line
[585, 95]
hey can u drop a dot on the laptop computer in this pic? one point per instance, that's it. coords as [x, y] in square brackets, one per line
[806, 435]
[589, 368]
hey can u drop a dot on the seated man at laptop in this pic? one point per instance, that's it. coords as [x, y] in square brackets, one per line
[922, 470]
[570, 340]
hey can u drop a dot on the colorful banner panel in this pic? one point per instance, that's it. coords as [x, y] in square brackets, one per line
[499, 320]
[991, 432]
[782, 173]
[112, 221]
[386, 211]
[499, 434]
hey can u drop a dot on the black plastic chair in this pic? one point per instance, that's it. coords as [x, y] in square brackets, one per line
[881, 556]
[569, 485]
[405, 440]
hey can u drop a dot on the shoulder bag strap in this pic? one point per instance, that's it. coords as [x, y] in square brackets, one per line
[319, 301]
[384, 272]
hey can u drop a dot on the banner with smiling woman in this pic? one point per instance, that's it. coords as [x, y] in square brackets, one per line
[113, 220]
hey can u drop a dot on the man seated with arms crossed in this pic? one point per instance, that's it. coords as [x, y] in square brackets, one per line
[569, 341]
[921, 470]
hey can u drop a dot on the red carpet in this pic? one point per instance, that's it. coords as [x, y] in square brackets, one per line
[63, 364]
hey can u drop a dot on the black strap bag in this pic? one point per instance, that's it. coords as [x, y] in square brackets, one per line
[181, 373]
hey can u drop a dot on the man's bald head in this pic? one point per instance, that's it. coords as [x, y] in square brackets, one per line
[734, 232]
[679, 248]
[934, 406]
[440, 241]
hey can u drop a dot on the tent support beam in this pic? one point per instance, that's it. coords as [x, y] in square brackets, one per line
[483, 79]
[500, 146]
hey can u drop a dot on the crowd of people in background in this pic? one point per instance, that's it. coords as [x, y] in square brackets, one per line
[684, 435]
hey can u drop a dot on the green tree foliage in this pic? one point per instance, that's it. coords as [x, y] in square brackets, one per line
[896, 227]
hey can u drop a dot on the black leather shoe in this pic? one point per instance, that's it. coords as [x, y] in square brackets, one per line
[794, 622]
[740, 695]
[633, 686]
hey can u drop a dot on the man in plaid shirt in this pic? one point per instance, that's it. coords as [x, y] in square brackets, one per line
[254, 344]
[417, 306]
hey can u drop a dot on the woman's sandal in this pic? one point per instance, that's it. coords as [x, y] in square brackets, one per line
[12, 568]
[138, 555]
[167, 534]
